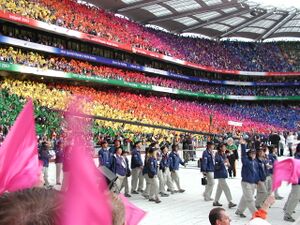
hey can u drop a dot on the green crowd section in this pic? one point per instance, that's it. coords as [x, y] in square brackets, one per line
[11, 105]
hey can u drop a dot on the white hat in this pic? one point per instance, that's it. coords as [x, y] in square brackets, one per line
[258, 221]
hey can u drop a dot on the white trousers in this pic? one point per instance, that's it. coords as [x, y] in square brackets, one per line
[223, 186]
[247, 200]
[137, 179]
[209, 186]
[154, 187]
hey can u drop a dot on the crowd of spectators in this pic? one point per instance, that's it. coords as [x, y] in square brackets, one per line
[28, 9]
[61, 43]
[79, 67]
[291, 53]
[95, 21]
[175, 113]
[11, 105]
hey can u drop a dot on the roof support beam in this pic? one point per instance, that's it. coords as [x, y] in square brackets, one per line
[139, 5]
[277, 26]
[241, 26]
[222, 17]
[196, 11]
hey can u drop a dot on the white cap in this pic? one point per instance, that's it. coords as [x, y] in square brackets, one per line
[258, 221]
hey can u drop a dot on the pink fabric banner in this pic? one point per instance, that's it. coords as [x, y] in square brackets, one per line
[19, 164]
[286, 170]
[86, 201]
[133, 214]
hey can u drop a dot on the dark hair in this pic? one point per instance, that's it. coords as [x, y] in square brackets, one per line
[174, 147]
[136, 143]
[271, 149]
[116, 140]
[37, 206]
[103, 142]
[214, 215]
[220, 146]
[163, 147]
[117, 148]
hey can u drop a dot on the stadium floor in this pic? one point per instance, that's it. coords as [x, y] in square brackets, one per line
[190, 208]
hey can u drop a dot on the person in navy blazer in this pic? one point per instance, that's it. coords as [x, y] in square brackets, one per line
[250, 179]
[263, 171]
[221, 174]
[105, 157]
[175, 160]
[152, 169]
[208, 168]
[137, 179]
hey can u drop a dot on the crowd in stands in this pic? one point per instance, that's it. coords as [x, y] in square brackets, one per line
[291, 53]
[28, 9]
[32, 59]
[173, 113]
[54, 41]
[95, 21]
[10, 106]
[49, 40]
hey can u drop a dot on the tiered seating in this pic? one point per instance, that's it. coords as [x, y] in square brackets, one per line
[28, 9]
[10, 106]
[158, 110]
[221, 55]
[58, 63]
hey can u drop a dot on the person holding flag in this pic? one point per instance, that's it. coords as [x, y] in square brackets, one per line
[250, 178]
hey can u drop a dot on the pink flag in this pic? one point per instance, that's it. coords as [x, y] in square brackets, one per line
[86, 201]
[133, 214]
[19, 164]
[286, 170]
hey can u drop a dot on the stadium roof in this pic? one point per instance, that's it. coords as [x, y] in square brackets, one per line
[213, 18]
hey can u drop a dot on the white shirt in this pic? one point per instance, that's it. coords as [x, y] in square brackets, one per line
[290, 139]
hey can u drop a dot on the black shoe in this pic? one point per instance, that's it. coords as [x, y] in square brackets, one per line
[242, 215]
[164, 195]
[134, 192]
[231, 205]
[140, 190]
[168, 190]
[181, 190]
[127, 195]
[157, 201]
[152, 200]
[288, 218]
[217, 204]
